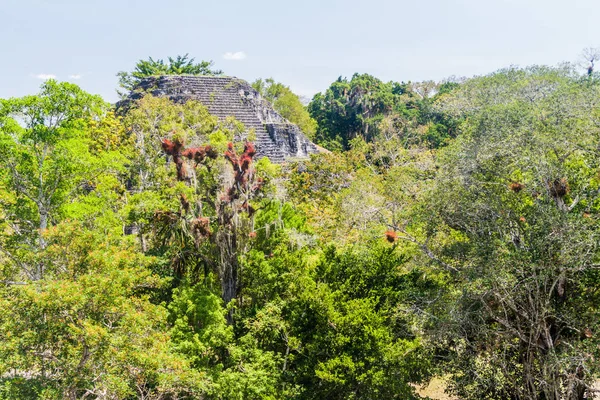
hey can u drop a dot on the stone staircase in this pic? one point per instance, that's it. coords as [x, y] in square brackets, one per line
[276, 138]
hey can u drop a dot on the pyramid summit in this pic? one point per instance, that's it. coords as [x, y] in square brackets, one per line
[276, 138]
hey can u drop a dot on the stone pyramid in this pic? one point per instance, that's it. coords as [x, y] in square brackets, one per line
[276, 137]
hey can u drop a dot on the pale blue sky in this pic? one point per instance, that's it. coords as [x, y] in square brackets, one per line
[306, 44]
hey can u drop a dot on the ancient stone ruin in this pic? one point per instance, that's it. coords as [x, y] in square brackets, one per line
[276, 137]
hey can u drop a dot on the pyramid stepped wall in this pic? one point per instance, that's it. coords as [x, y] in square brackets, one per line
[276, 138]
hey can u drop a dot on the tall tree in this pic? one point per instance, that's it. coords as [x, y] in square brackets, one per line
[46, 160]
[516, 206]
[200, 207]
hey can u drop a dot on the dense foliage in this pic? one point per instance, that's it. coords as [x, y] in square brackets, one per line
[148, 255]
[357, 107]
[286, 103]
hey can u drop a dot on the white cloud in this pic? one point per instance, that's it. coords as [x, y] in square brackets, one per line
[238, 55]
[76, 76]
[45, 76]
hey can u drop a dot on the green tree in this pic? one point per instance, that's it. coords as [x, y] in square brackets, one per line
[353, 340]
[287, 104]
[46, 161]
[357, 108]
[180, 65]
[237, 367]
[199, 209]
[515, 216]
[91, 331]
[353, 108]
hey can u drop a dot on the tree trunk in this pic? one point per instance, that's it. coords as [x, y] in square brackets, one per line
[228, 268]
[43, 214]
